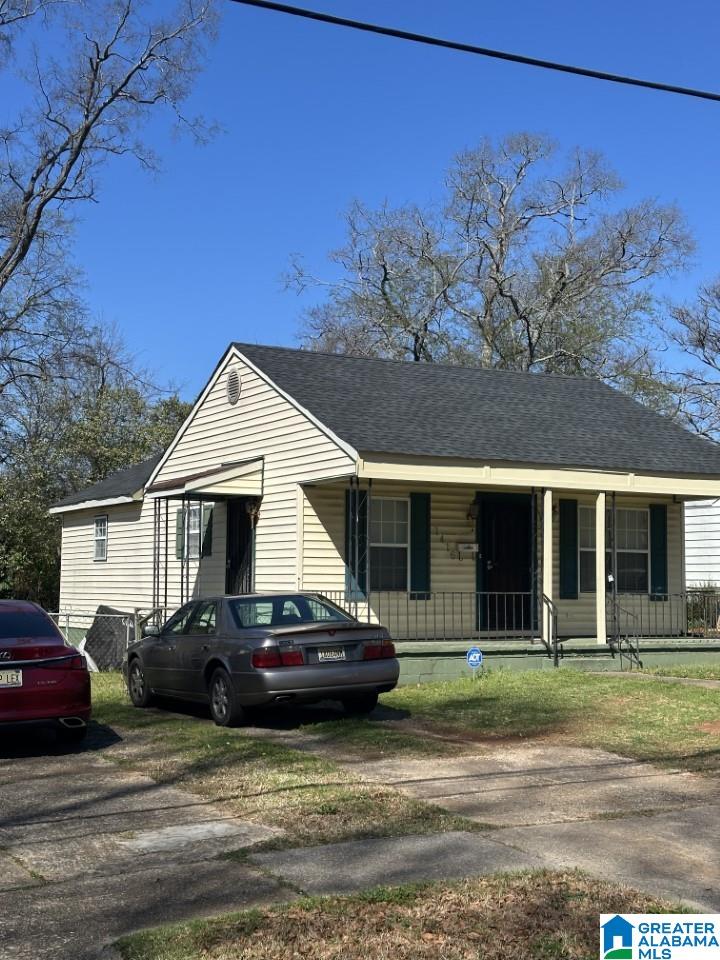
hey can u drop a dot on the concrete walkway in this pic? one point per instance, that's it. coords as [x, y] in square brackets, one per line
[546, 806]
[89, 851]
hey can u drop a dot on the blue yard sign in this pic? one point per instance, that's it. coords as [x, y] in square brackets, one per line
[474, 658]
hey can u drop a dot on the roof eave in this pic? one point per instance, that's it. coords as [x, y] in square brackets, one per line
[96, 504]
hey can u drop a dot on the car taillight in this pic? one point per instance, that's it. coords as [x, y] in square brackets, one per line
[291, 658]
[379, 651]
[266, 657]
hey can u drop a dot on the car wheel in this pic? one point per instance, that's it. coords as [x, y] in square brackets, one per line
[138, 686]
[75, 734]
[224, 707]
[360, 704]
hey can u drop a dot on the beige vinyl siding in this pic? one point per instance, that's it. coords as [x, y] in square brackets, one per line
[453, 581]
[125, 579]
[576, 618]
[262, 424]
[702, 543]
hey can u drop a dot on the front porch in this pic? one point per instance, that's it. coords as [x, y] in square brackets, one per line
[452, 563]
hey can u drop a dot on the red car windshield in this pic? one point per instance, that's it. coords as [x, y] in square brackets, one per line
[25, 624]
[284, 611]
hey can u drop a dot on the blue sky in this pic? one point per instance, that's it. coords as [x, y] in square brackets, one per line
[315, 116]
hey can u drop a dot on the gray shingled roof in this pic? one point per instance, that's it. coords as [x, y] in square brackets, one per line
[123, 483]
[433, 410]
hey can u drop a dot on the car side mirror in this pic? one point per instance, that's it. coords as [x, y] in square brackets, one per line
[150, 630]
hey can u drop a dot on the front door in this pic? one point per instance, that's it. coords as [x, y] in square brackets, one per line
[239, 556]
[505, 563]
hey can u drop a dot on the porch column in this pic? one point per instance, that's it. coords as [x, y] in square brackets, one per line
[600, 611]
[547, 565]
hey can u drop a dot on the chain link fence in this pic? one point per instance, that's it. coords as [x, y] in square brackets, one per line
[103, 634]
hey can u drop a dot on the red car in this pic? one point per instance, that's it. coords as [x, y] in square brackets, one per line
[43, 680]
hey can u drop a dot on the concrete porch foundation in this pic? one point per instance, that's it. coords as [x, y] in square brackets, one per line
[424, 662]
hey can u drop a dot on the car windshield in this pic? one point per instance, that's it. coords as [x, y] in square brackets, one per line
[284, 611]
[22, 624]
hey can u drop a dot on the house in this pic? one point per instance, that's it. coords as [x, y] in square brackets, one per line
[702, 544]
[447, 502]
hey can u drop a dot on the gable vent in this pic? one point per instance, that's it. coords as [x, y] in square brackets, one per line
[233, 387]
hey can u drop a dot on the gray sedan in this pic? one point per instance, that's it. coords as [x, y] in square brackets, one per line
[240, 652]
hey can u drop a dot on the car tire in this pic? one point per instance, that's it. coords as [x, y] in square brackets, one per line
[224, 707]
[138, 688]
[360, 704]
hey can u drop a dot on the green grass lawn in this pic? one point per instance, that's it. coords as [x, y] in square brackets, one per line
[529, 916]
[704, 672]
[319, 800]
[312, 798]
[662, 722]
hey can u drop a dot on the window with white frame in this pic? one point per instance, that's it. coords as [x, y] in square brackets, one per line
[632, 548]
[194, 527]
[101, 538]
[389, 543]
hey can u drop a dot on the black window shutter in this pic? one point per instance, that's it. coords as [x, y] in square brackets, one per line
[207, 529]
[658, 552]
[568, 519]
[420, 546]
[356, 541]
[179, 535]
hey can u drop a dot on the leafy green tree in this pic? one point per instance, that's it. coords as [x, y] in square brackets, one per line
[61, 434]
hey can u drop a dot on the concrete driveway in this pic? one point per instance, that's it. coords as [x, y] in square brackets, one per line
[90, 850]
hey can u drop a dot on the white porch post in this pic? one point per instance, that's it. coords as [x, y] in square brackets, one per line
[600, 603]
[547, 566]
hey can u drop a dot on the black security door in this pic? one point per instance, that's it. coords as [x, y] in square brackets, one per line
[239, 556]
[504, 562]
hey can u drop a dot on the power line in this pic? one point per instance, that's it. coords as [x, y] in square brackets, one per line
[479, 51]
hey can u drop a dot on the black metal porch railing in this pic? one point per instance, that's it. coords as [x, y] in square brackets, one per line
[693, 613]
[461, 615]
[447, 615]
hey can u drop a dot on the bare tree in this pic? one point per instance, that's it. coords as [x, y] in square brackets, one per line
[526, 266]
[120, 67]
[696, 332]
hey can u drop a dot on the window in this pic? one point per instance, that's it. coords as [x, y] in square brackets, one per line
[176, 623]
[27, 624]
[284, 611]
[632, 548]
[193, 530]
[101, 538]
[203, 619]
[389, 538]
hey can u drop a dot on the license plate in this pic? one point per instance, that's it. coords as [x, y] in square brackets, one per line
[337, 653]
[10, 678]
